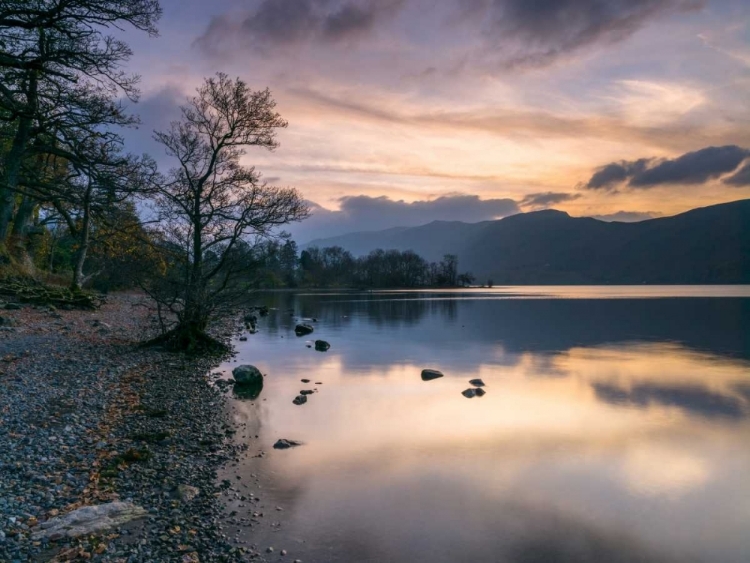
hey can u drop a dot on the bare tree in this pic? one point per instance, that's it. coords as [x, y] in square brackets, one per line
[210, 205]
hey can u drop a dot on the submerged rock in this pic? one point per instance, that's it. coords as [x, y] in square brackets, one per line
[430, 374]
[303, 329]
[284, 444]
[322, 346]
[89, 520]
[300, 400]
[477, 382]
[247, 375]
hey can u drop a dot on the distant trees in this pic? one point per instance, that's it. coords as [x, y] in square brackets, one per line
[210, 205]
[336, 267]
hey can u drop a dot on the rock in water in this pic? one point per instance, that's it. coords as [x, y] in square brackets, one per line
[306, 392]
[300, 400]
[480, 392]
[477, 383]
[247, 375]
[305, 380]
[430, 374]
[469, 393]
[284, 444]
[303, 329]
[89, 520]
[322, 346]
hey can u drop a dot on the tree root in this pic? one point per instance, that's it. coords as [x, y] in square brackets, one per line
[188, 341]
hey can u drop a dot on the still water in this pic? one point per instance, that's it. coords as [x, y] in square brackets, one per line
[615, 427]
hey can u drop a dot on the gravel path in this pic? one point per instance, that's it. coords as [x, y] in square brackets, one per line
[87, 417]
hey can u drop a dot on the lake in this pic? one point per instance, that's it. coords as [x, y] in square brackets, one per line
[615, 426]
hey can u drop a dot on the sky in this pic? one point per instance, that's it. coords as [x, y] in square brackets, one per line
[402, 112]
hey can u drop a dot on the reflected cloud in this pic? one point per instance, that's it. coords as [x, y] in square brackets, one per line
[694, 399]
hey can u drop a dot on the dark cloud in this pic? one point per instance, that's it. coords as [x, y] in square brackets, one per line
[693, 168]
[156, 111]
[615, 173]
[286, 22]
[697, 167]
[626, 216]
[741, 177]
[514, 33]
[546, 199]
[546, 29]
[365, 213]
[694, 399]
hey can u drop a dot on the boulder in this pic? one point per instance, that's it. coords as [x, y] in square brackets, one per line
[300, 400]
[251, 319]
[89, 520]
[186, 493]
[284, 444]
[303, 329]
[476, 382]
[247, 375]
[322, 346]
[305, 380]
[306, 392]
[480, 392]
[243, 338]
[469, 393]
[430, 374]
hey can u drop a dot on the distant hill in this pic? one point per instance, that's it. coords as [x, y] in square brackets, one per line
[705, 245]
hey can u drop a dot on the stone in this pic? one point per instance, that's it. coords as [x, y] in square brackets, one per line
[89, 520]
[300, 400]
[469, 393]
[243, 338]
[322, 346]
[476, 382]
[306, 392]
[247, 375]
[303, 329]
[430, 374]
[480, 392]
[186, 493]
[284, 444]
[305, 380]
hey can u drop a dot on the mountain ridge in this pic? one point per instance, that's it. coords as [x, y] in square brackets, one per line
[704, 245]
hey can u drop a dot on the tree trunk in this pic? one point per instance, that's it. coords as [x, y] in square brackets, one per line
[84, 241]
[14, 159]
[19, 235]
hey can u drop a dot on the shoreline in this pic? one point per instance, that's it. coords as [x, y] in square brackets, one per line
[87, 418]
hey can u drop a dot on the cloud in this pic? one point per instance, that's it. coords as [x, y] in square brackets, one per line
[156, 110]
[546, 199]
[365, 213]
[693, 399]
[297, 22]
[697, 167]
[741, 177]
[498, 33]
[543, 31]
[627, 216]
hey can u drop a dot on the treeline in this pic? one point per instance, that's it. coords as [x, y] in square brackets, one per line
[282, 265]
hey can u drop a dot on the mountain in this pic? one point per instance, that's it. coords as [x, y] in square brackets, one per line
[705, 245]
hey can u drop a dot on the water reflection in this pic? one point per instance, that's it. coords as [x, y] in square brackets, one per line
[611, 430]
